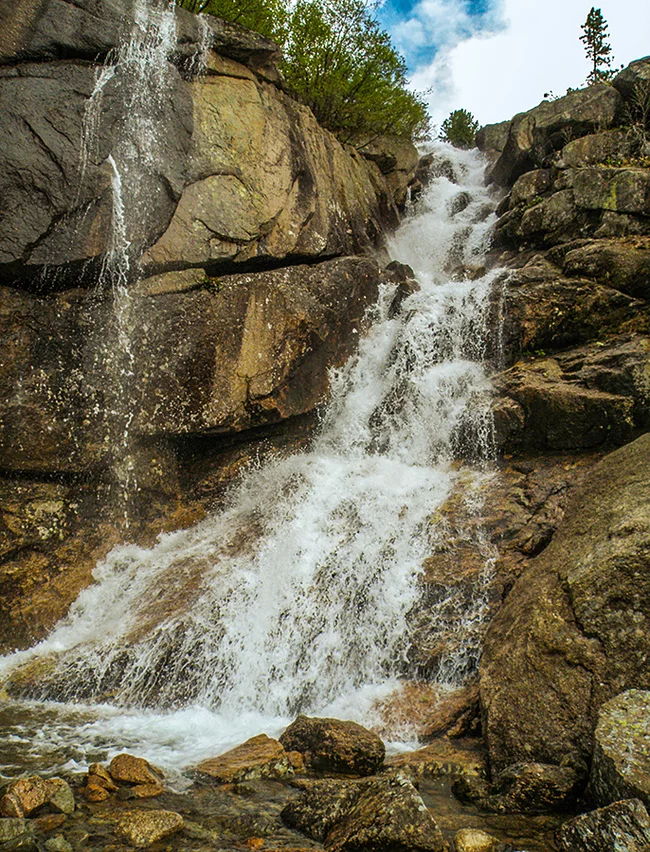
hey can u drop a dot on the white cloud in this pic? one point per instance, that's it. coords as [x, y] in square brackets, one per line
[497, 75]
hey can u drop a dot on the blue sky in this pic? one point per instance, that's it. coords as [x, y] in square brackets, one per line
[499, 57]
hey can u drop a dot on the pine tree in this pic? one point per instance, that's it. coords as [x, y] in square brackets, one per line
[459, 129]
[594, 37]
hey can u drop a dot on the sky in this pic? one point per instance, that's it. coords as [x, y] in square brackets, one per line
[499, 57]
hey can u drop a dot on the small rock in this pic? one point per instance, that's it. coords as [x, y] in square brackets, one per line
[143, 828]
[331, 745]
[101, 776]
[61, 796]
[24, 796]
[133, 770]
[13, 829]
[58, 844]
[258, 757]
[621, 762]
[140, 791]
[50, 822]
[623, 827]
[474, 840]
[95, 793]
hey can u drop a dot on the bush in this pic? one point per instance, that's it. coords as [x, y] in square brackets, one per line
[338, 61]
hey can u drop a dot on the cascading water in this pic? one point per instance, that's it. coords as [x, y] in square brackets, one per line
[298, 595]
[140, 71]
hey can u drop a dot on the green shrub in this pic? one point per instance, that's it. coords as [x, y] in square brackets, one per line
[459, 129]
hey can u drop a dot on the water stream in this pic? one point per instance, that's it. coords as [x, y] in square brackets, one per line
[297, 596]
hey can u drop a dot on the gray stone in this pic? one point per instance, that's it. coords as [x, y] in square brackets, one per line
[623, 826]
[622, 264]
[536, 134]
[529, 186]
[620, 767]
[620, 190]
[493, 137]
[634, 79]
[595, 149]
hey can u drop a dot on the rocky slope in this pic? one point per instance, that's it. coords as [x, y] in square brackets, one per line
[255, 233]
[574, 232]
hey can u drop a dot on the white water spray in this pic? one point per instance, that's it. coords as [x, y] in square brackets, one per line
[298, 596]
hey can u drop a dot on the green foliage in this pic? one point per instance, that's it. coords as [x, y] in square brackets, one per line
[594, 37]
[459, 129]
[267, 17]
[338, 61]
[342, 64]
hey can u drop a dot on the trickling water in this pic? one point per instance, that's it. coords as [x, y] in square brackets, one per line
[298, 595]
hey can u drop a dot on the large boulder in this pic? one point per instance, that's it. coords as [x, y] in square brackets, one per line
[591, 396]
[633, 81]
[574, 630]
[331, 745]
[384, 812]
[621, 762]
[536, 134]
[621, 264]
[623, 826]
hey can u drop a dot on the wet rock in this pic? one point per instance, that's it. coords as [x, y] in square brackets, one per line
[60, 797]
[443, 757]
[258, 757]
[133, 770]
[330, 745]
[99, 775]
[14, 829]
[24, 796]
[532, 788]
[586, 397]
[536, 134]
[573, 631]
[143, 828]
[49, 822]
[58, 844]
[95, 792]
[623, 825]
[620, 767]
[321, 806]
[377, 813]
[475, 840]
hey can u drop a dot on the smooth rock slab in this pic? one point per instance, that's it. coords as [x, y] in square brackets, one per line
[620, 827]
[258, 757]
[330, 745]
[621, 762]
[143, 828]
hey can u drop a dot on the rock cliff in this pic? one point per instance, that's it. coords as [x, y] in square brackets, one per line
[250, 247]
[573, 232]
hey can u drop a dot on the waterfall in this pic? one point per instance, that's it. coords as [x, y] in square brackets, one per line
[298, 595]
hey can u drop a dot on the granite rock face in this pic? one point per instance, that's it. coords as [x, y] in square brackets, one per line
[571, 633]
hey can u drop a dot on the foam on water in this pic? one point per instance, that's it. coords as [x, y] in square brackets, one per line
[297, 596]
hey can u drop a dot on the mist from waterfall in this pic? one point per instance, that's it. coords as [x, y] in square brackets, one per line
[297, 596]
